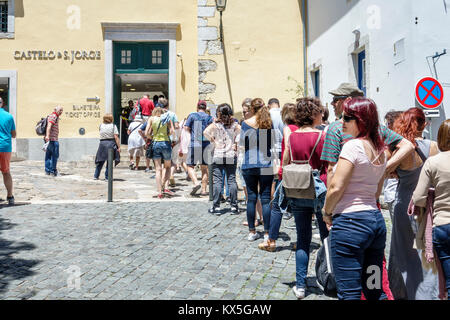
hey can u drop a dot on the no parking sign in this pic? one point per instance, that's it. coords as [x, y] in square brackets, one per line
[429, 93]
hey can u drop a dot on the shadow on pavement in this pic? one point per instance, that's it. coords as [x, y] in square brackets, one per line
[13, 268]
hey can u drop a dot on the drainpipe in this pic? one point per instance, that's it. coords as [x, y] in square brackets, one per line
[305, 61]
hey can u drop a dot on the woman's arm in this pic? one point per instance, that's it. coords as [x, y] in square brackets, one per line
[148, 130]
[116, 137]
[209, 132]
[171, 128]
[420, 195]
[339, 183]
[287, 147]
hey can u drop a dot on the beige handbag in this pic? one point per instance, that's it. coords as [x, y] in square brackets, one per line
[298, 180]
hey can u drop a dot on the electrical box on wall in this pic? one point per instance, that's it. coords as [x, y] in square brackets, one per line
[399, 51]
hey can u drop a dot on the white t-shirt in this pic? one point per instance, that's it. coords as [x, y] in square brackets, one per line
[362, 188]
[107, 131]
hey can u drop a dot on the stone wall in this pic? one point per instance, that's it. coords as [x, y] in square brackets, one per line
[208, 43]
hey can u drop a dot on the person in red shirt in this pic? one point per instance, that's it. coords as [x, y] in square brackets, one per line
[147, 106]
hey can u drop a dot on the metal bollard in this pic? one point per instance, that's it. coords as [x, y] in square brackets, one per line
[110, 174]
[210, 178]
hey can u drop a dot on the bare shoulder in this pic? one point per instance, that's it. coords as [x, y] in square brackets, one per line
[434, 149]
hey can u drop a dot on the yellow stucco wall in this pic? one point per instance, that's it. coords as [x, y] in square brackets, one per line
[263, 41]
[264, 45]
[43, 84]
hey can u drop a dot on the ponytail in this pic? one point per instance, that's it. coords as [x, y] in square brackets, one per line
[261, 111]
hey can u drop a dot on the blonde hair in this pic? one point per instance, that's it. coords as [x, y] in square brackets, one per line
[157, 112]
[108, 118]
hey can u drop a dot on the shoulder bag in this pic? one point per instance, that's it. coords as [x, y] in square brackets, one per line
[298, 180]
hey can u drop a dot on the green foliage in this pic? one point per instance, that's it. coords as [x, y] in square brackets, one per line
[297, 91]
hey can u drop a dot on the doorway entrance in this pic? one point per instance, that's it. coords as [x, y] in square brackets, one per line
[139, 68]
[4, 92]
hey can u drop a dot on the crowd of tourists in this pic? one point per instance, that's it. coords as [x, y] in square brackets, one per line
[291, 161]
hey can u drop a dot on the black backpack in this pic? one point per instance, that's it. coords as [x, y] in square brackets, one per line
[41, 127]
[324, 270]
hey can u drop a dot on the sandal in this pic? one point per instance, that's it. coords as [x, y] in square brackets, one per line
[272, 247]
[245, 223]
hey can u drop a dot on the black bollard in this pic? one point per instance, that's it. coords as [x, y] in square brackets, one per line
[210, 181]
[110, 174]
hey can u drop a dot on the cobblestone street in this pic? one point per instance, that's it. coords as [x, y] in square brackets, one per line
[139, 250]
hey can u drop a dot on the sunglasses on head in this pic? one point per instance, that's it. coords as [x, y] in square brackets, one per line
[347, 118]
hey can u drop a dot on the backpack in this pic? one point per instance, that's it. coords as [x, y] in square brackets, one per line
[324, 270]
[41, 127]
[298, 180]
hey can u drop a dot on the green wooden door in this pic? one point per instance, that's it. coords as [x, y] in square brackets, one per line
[141, 57]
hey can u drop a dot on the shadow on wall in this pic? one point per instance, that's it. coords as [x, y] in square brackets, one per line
[323, 14]
[19, 12]
[11, 268]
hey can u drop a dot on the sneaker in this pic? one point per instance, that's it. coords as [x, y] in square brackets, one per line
[147, 170]
[55, 174]
[253, 236]
[215, 210]
[10, 201]
[287, 216]
[195, 189]
[131, 165]
[234, 210]
[168, 192]
[299, 292]
[160, 196]
[95, 178]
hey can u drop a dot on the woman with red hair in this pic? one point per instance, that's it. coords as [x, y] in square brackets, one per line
[408, 279]
[358, 235]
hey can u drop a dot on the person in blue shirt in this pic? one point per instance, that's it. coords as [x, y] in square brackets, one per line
[7, 131]
[196, 123]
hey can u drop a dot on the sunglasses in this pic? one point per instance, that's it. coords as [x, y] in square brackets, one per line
[347, 118]
[337, 98]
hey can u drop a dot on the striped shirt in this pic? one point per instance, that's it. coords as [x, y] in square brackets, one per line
[335, 139]
[54, 131]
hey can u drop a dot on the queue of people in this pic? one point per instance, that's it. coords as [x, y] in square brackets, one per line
[291, 161]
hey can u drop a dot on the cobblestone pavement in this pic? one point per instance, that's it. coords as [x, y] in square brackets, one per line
[76, 183]
[158, 250]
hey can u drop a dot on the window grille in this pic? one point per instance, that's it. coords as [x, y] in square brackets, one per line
[3, 16]
[126, 57]
[156, 56]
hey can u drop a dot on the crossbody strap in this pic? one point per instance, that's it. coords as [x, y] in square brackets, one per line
[421, 154]
[312, 152]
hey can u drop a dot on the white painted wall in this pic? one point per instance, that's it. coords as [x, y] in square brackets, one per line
[381, 24]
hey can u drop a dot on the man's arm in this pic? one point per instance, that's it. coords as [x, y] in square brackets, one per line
[49, 128]
[13, 134]
[330, 172]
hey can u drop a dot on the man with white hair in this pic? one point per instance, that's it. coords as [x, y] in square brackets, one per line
[7, 131]
[52, 153]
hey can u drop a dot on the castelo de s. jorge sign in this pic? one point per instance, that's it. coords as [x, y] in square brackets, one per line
[50, 55]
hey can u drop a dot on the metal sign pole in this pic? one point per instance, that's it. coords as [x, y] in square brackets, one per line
[110, 174]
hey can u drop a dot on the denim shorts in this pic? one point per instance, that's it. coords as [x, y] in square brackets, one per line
[162, 150]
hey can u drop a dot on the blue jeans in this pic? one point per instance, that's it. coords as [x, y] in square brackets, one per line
[51, 157]
[303, 218]
[275, 217]
[98, 169]
[358, 240]
[253, 179]
[441, 243]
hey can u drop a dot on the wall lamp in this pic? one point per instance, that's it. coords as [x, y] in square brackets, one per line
[221, 5]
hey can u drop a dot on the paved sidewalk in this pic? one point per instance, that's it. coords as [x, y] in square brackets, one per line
[71, 244]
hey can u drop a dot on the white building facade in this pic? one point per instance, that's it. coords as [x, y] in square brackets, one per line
[385, 47]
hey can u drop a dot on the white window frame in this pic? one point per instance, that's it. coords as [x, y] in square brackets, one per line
[11, 25]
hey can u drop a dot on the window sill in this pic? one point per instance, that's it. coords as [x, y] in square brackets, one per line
[6, 35]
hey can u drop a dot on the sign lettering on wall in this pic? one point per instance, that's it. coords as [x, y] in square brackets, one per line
[83, 112]
[71, 55]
